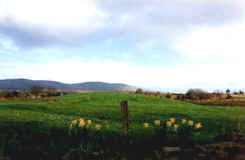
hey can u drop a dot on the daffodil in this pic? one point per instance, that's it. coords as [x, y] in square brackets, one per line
[157, 122]
[70, 127]
[190, 123]
[172, 120]
[98, 127]
[74, 123]
[176, 126]
[145, 125]
[82, 123]
[184, 121]
[198, 125]
[89, 122]
[168, 123]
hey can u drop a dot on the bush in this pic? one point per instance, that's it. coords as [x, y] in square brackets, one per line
[139, 91]
[180, 97]
[235, 93]
[157, 93]
[241, 92]
[9, 94]
[3, 94]
[197, 94]
[36, 90]
[52, 91]
[13, 94]
[168, 96]
[228, 96]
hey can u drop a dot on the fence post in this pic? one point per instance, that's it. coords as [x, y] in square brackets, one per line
[124, 110]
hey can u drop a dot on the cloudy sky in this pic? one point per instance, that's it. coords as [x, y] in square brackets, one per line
[160, 44]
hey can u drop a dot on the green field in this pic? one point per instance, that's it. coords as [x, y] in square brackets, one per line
[105, 108]
[43, 117]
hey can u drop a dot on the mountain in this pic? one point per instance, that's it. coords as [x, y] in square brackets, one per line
[25, 84]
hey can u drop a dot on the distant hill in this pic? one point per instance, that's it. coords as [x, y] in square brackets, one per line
[25, 84]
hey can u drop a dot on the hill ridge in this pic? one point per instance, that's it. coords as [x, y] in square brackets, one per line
[25, 84]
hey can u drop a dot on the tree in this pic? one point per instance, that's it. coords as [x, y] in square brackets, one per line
[139, 91]
[168, 95]
[197, 94]
[52, 91]
[36, 90]
[228, 91]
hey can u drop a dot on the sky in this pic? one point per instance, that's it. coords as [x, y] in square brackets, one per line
[167, 45]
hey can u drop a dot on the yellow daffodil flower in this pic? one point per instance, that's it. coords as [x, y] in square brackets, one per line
[70, 127]
[184, 121]
[172, 120]
[198, 125]
[157, 122]
[98, 127]
[74, 123]
[89, 122]
[190, 123]
[168, 124]
[176, 126]
[82, 123]
[145, 125]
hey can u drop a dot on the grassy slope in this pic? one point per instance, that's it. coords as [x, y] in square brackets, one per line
[105, 108]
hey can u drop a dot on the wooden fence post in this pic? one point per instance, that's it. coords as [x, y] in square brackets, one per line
[124, 110]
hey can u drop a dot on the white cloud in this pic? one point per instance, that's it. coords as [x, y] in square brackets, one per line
[224, 43]
[57, 19]
[7, 46]
[64, 20]
[56, 13]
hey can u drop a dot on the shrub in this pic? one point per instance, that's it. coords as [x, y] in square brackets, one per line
[139, 91]
[52, 91]
[36, 90]
[157, 94]
[3, 94]
[180, 97]
[228, 96]
[9, 94]
[197, 94]
[168, 95]
[235, 93]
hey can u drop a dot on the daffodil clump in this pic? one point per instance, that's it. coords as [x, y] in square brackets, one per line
[85, 133]
[184, 123]
[183, 129]
[191, 124]
[187, 131]
[172, 125]
[83, 125]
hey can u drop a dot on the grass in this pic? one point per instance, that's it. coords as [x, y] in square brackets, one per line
[42, 117]
[105, 107]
